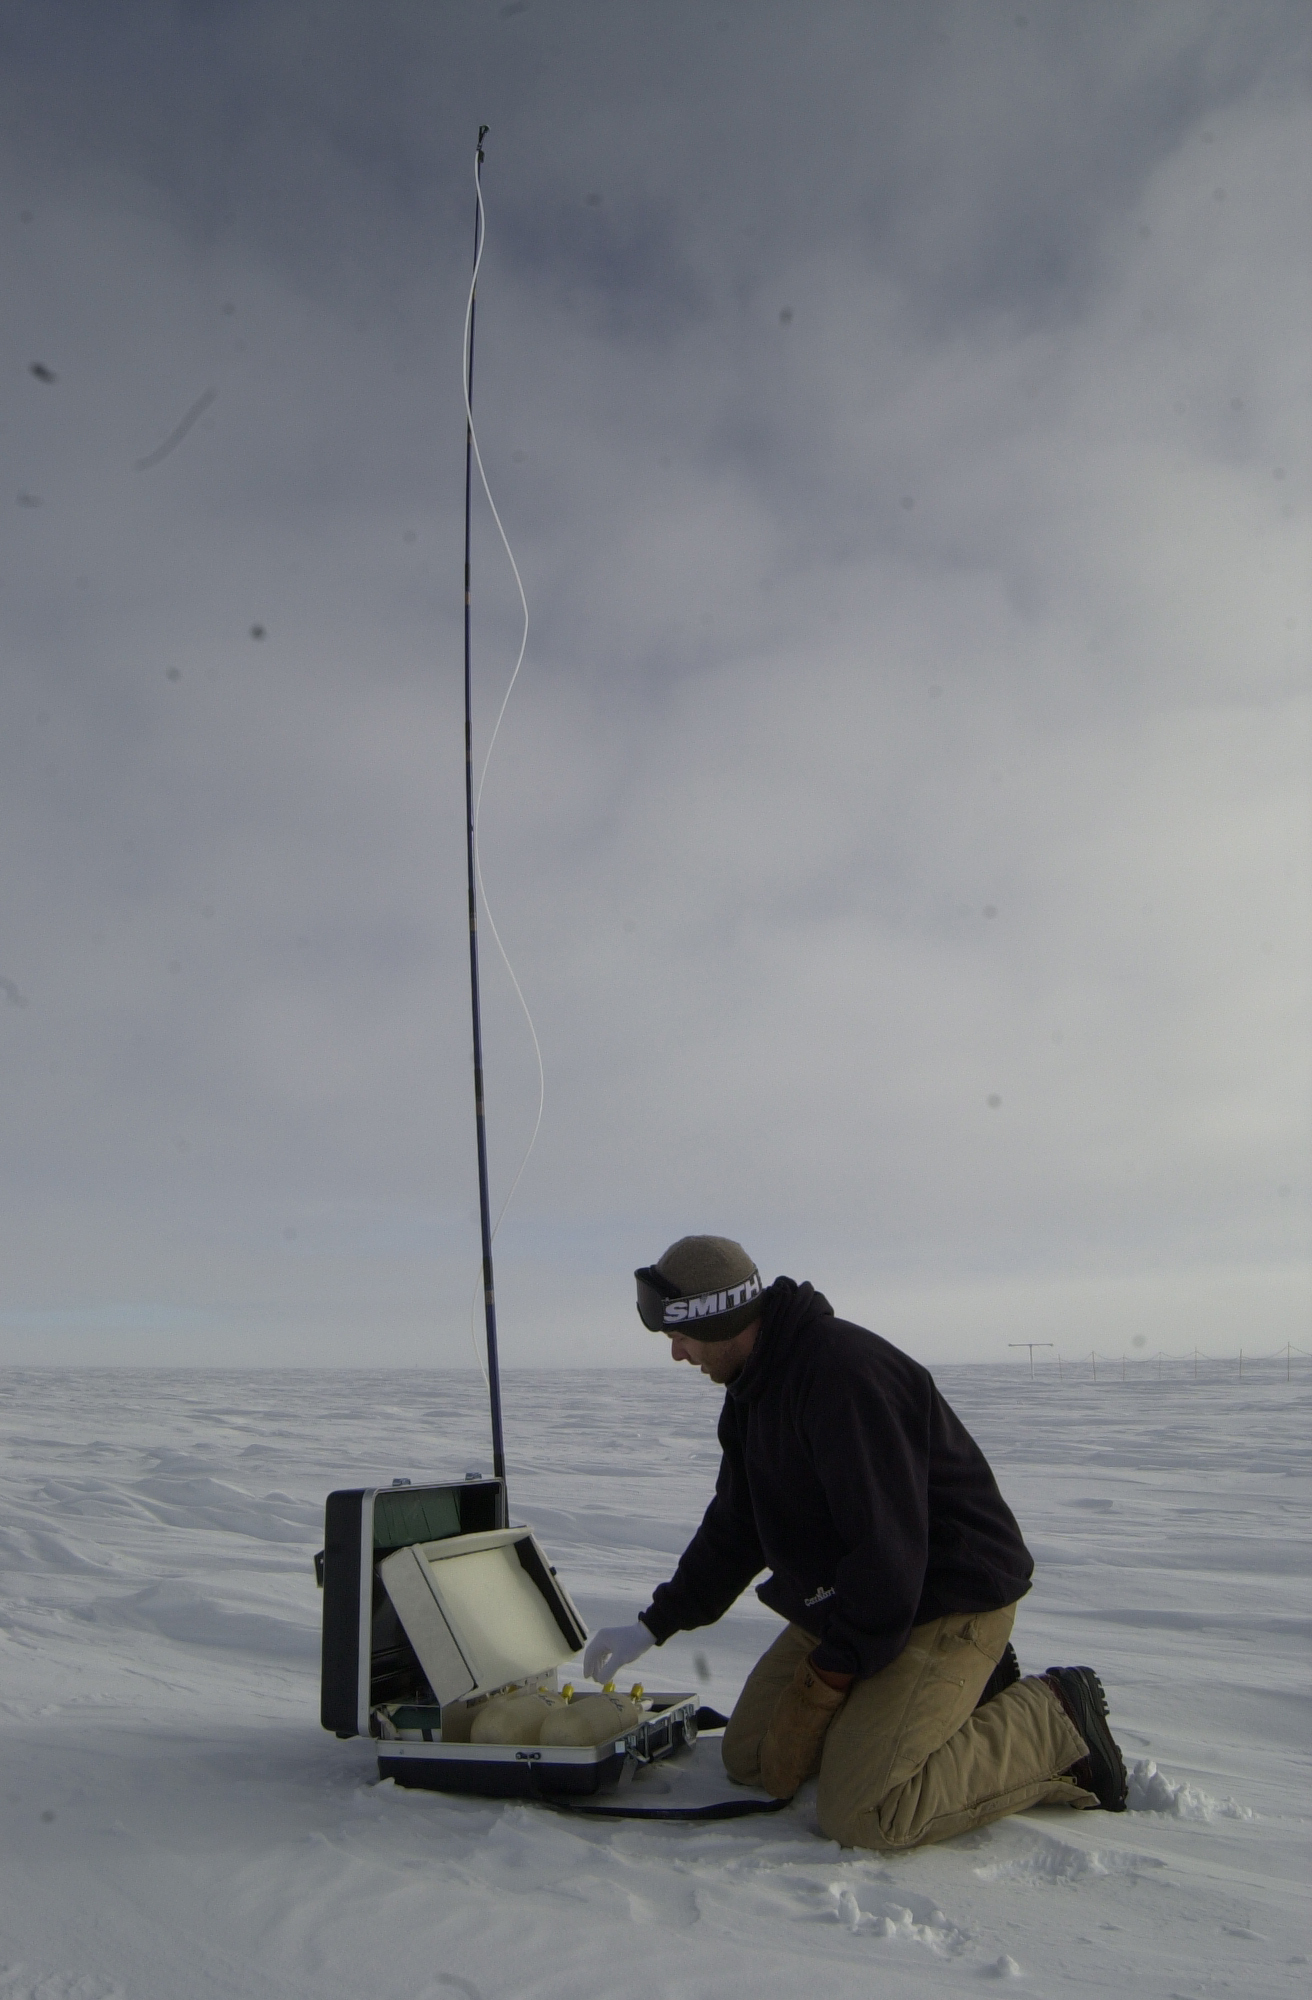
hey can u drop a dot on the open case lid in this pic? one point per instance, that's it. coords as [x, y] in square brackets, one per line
[367, 1657]
[481, 1610]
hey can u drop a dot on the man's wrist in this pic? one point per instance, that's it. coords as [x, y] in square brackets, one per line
[840, 1682]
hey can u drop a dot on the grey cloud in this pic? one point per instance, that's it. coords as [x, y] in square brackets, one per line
[776, 729]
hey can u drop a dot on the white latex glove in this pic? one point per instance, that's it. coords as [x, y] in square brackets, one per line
[614, 1647]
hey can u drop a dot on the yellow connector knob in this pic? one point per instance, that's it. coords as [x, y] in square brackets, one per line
[568, 1691]
[637, 1691]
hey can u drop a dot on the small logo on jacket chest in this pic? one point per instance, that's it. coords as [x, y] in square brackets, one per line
[827, 1590]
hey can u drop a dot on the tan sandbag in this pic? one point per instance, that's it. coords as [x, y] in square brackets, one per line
[593, 1718]
[514, 1718]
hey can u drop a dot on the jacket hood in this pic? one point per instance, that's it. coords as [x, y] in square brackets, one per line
[789, 1309]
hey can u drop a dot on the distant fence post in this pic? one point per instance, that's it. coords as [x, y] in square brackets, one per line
[1260, 1361]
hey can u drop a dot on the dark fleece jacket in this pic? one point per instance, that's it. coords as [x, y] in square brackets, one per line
[847, 1475]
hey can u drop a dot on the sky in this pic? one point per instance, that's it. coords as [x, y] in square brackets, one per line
[901, 826]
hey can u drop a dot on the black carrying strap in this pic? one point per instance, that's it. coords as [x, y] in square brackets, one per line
[708, 1720]
[721, 1809]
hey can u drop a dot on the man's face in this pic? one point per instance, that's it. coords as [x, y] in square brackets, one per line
[719, 1360]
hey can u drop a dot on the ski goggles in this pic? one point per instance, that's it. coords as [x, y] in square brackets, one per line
[663, 1308]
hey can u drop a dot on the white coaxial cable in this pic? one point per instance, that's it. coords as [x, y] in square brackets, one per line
[478, 806]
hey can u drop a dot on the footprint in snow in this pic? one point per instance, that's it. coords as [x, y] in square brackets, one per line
[1044, 1859]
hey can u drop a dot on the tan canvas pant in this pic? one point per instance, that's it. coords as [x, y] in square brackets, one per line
[908, 1758]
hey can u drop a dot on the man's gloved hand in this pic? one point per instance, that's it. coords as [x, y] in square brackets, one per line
[614, 1647]
[791, 1746]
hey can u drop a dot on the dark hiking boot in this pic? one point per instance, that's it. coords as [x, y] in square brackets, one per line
[1102, 1770]
[1004, 1675]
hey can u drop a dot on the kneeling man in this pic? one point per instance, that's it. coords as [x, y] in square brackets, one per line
[894, 1558]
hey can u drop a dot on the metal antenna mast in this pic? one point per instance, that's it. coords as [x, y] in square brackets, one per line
[480, 1119]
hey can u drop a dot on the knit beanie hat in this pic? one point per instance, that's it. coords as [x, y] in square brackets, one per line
[704, 1286]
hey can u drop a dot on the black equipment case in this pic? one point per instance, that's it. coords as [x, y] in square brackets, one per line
[432, 1601]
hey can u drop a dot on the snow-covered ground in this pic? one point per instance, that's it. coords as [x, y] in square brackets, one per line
[176, 1826]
